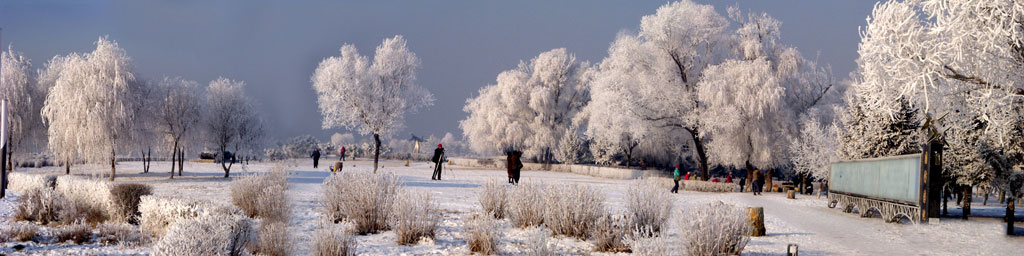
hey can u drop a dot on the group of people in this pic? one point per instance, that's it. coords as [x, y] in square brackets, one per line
[757, 184]
[337, 166]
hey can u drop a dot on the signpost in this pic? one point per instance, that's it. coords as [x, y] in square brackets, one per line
[897, 186]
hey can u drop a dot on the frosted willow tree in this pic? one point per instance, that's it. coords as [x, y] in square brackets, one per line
[815, 148]
[177, 115]
[372, 98]
[961, 62]
[91, 105]
[25, 100]
[531, 107]
[231, 120]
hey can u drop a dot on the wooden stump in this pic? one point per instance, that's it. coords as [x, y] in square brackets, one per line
[790, 194]
[757, 219]
[406, 163]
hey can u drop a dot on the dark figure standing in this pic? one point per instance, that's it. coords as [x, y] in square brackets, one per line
[438, 158]
[510, 164]
[675, 179]
[743, 182]
[757, 182]
[316, 157]
[341, 154]
[517, 166]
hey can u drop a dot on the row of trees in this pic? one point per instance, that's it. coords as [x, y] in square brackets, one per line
[89, 107]
[685, 83]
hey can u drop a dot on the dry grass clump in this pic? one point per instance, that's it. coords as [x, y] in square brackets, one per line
[415, 216]
[43, 206]
[78, 232]
[537, 244]
[273, 240]
[715, 229]
[91, 198]
[573, 210]
[262, 196]
[482, 234]
[20, 231]
[125, 201]
[610, 234]
[119, 234]
[651, 246]
[648, 208]
[331, 240]
[494, 199]
[707, 186]
[525, 207]
[159, 213]
[211, 234]
[22, 182]
[365, 199]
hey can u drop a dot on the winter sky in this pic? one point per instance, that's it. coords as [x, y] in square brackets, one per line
[275, 45]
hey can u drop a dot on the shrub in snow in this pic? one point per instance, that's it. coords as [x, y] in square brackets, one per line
[119, 234]
[43, 206]
[126, 198]
[211, 234]
[482, 234]
[525, 206]
[274, 239]
[573, 210]
[610, 234]
[158, 213]
[92, 198]
[333, 240]
[707, 186]
[78, 233]
[648, 207]
[650, 246]
[365, 199]
[20, 231]
[414, 216]
[537, 243]
[494, 199]
[21, 182]
[262, 196]
[715, 229]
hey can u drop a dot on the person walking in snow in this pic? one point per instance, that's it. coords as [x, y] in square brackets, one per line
[728, 179]
[757, 182]
[510, 164]
[743, 182]
[316, 157]
[517, 163]
[675, 179]
[438, 158]
[341, 154]
[687, 176]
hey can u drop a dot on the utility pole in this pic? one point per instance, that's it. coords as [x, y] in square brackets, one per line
[3, 131]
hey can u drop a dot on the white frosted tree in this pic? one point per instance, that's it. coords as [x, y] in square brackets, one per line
[25, 100]
[371, 98]
[342, 139]
[231, 121]
[90, 108]
[960, 61]
[816, 147]
[531, 107]
[177, 114]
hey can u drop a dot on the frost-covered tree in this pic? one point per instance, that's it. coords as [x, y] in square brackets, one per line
[339, 139]
[372, 98]
[178, 114]
[25, 100]
[145, 125]
[300, 146]
[814, 150]
[230, 121]
[91, 107]
[530, 107]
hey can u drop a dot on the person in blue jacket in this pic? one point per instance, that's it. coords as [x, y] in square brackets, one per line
[675, 178]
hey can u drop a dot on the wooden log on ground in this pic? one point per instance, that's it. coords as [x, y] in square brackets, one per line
[791, 194]
[757, 219]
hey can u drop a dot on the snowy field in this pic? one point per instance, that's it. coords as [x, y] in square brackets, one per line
[806, 221]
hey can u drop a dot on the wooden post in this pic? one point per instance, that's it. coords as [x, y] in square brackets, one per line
[406, 163]
[757, 219]
[791, 194]
[965, 204]
[1009, 218]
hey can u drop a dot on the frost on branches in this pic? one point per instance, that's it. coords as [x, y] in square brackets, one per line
[178, 114]
[25, 100]
[372, 98]
[531, 107]
[91, 106]
[231, 121]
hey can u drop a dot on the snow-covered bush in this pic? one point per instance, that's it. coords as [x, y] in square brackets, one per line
[482, 234]
[715, 229]
[262, 196]
[91, 198]
[707, 186]
[19, 231]
[650, 246]
[333, 240]
[537, 243]
[365, 199]
[21, 182]
[648, 207]
[126, 197]
[78, 233]
[274, 154]
[573, 210]
[212, 234]
[158, 213]
[274, 239]
[494, 199]
[300, 146]
[610, 234]
[43, 206]
[414, 216]
[525, 206]
[119, 234]
[572, 148]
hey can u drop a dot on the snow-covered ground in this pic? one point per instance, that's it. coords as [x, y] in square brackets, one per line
[806, 221]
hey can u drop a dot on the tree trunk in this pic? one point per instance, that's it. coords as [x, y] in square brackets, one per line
[113, 164]
[67, 166]
[768, 179]
[548, 155]
[750, 180]
[226, 162]
[376, 151]
[702, 155]
[945, 202]
[1010, 217]
[174, 159]
[181, 161]
[966, 204]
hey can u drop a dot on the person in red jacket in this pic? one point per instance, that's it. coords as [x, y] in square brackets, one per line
[728, 179]
[687, 176]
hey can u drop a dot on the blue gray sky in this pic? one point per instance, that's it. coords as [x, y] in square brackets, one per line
[275, 45]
